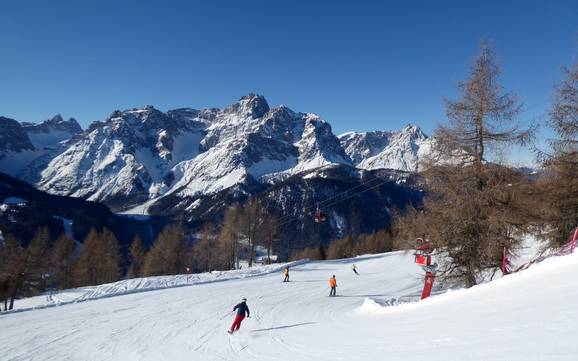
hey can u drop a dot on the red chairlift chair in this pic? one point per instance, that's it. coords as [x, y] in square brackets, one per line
[319, 216]
[422, 253]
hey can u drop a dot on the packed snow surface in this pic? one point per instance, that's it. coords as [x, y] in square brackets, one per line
[531, 315]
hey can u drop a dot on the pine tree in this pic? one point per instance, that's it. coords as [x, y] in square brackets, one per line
[12, 271]
[37, 261]
[251, 224]
[482, 120]
[137, 254]
[86, 268]
[170, 254]
[270, 234]
[99, 260]
[472, 204]
[110, 270]
[229, 237]
[562, 166]
[207, 252]
[62, 259]
[312, 253]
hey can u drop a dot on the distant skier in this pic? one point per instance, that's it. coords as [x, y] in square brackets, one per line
[286, 273]
[354, 268]
[333, 284]
[241, 309]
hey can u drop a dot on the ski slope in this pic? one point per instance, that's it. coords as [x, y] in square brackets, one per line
[532, 315]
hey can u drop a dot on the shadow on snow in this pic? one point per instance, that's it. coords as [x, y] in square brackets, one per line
[281, 327]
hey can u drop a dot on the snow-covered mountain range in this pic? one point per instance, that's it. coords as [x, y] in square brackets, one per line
[137, 157]
[27, 148]
[402, 150]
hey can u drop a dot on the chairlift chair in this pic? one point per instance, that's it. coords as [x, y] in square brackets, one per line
[319, 216]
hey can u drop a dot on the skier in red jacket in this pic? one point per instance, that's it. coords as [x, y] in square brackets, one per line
[241, 309]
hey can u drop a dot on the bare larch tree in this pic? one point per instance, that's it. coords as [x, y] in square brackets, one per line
[470, 211]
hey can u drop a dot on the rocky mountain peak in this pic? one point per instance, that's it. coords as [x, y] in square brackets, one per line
[13, 137]
[56, 119]
[56, 123]
[250, 105]
[378, 149]
[414, 131]
[147, 117]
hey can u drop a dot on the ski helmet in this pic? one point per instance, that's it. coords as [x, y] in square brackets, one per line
[244, 299]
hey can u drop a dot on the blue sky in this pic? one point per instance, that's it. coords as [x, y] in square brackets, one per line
[361, 65]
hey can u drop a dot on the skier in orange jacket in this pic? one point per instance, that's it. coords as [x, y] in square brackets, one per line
[286, 273]
[333, 284]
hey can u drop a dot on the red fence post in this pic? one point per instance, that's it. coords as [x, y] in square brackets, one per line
[423, 258]
[573, 244]
[505, 261]
[427, 285]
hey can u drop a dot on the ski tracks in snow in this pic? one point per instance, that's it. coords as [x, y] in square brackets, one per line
[190, 323]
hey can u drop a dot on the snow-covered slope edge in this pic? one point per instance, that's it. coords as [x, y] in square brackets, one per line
[143, 284]
[504, 289]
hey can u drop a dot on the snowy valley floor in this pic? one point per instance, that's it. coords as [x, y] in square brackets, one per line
[532, 315]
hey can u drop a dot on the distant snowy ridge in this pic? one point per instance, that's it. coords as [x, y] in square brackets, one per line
[26, 148]
[403, 150]
[136, 158]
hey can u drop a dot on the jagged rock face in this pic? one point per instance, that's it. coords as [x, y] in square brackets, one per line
[142, 155]
[13, 137]
[403, 150]
[360, 146]
[123, 160]
[249, 106]
[55, 124]
[28, 147]
[148, 161]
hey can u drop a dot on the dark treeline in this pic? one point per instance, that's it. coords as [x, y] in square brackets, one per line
[351, 246]
[59, 264]
[47, 265]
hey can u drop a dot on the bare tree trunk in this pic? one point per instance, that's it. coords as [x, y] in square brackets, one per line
[251, 251]
[470, 278]
[12, 298]
[237, 256]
